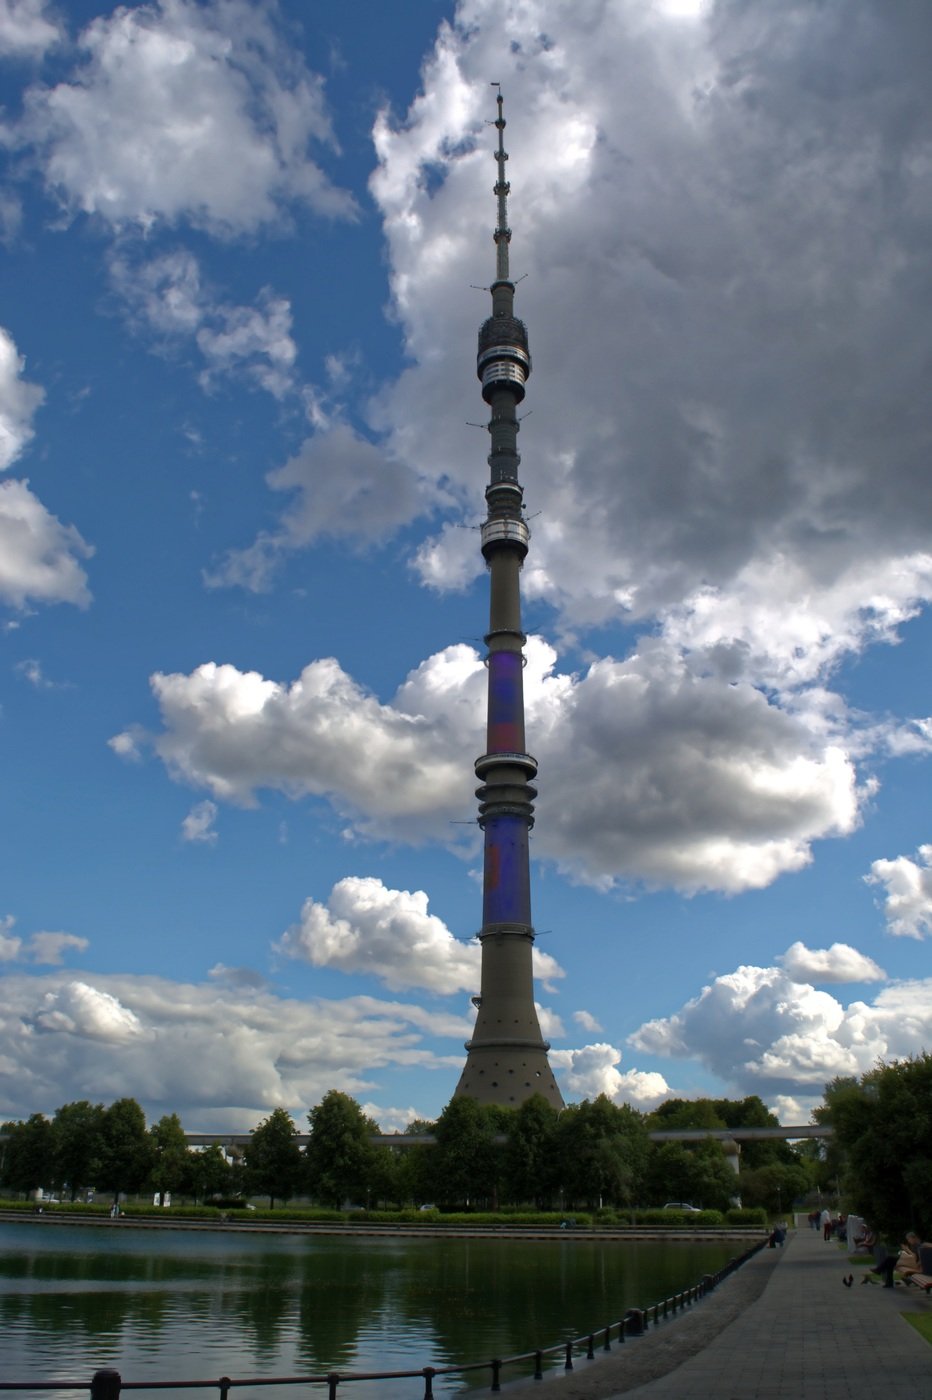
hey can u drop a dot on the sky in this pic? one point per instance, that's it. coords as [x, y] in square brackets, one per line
[245, 253]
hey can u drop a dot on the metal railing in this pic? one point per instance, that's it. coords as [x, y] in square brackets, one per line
[108, 1384]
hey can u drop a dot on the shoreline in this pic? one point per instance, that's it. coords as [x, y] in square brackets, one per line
[368, 1229]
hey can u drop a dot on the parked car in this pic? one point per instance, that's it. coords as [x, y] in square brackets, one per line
[681, 1205]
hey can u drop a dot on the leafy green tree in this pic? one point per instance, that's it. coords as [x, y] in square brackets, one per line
[77, 1136]
[170, 1155]
[696, 1172]
[125, 1148]
[602, 1152]
[28, 1160]
[530, 1153]
[675, 1114]
[340, 1159]
[883, 1135]
[273, 1158]
[774, 1186]
[465, 1164]
[208, 1173]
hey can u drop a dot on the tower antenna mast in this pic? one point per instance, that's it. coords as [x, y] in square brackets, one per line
[506, 1059]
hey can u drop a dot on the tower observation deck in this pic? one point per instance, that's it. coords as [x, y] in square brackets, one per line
[506, 1059]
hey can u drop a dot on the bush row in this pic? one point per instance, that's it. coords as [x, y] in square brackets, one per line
[583, 1220]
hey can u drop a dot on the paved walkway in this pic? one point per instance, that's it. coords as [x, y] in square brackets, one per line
[809, 1338]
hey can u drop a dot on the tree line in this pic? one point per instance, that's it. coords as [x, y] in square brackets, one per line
[593, 1154]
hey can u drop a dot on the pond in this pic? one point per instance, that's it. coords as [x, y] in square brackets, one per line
[159, 1305]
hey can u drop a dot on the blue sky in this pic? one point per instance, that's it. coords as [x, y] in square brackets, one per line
[242, 596]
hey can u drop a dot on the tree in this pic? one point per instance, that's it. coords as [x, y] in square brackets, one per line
[602, 1151]
[530, 1153]
[77, 1133]
[208, 1173]
[126, 1150]
[883, 1135]
[273, 1157]
[697, 1172]
[340, 1159]
[169, 1155]
[464, 1165]
[28, 1161]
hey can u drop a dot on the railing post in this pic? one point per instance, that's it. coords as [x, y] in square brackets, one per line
[333, 1380]
[621, 1330]
[538, 1365]
[428, 1374]
[224, 1387]
[569, 1357]
[105, 1385]
[496, 1373]
[607, 1343]
[590, 1350]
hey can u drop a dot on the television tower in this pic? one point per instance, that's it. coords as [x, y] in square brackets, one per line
[506, 1059]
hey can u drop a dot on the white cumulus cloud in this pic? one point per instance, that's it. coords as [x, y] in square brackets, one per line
[62, 1039]
[179, 111]
[365, 927]
[649, 771]
[839, 963]
[763, 1032]
[593, 1069]
[907, 903]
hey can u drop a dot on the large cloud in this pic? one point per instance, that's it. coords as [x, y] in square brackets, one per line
[103, 1036]
[364, 927]
[728, 318]
[651, 772]
[185, 111]
[763, 1032]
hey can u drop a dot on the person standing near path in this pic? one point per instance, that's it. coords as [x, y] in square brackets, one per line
[825, 1220]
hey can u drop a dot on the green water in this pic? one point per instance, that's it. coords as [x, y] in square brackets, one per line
[159, 1305]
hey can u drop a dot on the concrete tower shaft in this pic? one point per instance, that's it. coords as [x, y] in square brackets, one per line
[507, 1056]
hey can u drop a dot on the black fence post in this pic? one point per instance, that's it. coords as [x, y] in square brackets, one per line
[428, 1374]
[538, 1365]
[568, 1366]
[333, 1380]
[224, 1384]
[105, 1385]
[607, 1343]
[621, 1330]
[590, 1350]
[496, 1373]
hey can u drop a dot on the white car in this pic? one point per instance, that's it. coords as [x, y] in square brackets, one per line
[681, 1205]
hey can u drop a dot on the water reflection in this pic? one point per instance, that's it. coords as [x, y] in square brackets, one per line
[169, 1304]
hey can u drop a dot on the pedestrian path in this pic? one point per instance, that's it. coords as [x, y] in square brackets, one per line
[807, 1337]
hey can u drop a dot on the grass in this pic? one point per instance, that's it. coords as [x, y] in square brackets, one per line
[922, 1323]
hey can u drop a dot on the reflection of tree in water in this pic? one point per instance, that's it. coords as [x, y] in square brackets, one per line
[105, 1313]
[518, 1295]
[343, 1289]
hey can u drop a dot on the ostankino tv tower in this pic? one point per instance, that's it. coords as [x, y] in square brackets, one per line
[507, 1056]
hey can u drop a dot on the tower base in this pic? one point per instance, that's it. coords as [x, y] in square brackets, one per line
[507, 1074]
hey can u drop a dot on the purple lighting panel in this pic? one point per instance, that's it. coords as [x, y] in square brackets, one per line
[506, 703]
[507, 895]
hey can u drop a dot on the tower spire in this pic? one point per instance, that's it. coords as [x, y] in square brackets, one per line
[506, 1059]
